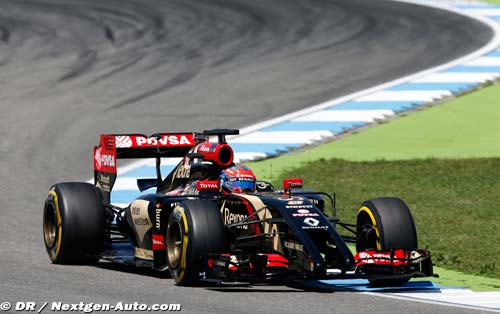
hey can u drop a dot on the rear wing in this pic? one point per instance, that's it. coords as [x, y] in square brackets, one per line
[123, 146]
[160, 145]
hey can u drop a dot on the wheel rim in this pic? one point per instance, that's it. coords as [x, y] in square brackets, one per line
[368, 241]
[50, 227]
[174, 244]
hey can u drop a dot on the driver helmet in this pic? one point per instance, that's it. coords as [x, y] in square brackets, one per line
[238, 178]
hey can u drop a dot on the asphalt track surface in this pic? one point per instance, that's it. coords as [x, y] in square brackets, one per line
[70, 70]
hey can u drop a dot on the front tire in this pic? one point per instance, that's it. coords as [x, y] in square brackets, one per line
[390, 225]
[195, 227]
[74, 223]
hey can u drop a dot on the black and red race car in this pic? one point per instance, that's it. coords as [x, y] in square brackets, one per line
[200, 233]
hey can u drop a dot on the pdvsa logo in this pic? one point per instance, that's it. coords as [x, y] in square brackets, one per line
[104, 160]
[123, 142]
[166, 140]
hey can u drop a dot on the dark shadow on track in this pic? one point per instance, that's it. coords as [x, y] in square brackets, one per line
[143, 271]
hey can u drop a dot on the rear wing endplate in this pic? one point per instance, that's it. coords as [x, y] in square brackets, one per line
[123, 146]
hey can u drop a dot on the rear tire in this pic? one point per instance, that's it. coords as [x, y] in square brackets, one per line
[392, 228]
[195, 227]
[74, 223]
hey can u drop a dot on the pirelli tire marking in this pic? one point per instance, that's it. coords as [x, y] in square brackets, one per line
[54, 200]
[179, 210]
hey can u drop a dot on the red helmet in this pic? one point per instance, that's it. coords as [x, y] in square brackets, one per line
[238, 178]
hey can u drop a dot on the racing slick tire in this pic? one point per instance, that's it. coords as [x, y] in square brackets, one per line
[393, 227]
[195, 227]
[74, 224]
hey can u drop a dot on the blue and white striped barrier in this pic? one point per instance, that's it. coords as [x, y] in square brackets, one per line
[337, 116]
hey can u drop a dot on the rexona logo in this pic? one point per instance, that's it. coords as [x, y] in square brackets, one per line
[166, 140]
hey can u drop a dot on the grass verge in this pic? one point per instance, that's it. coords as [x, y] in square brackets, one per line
[451, 278]
[441, 161]
[454, 202]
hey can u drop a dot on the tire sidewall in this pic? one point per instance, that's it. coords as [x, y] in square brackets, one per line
[394, 227]
[203, 231]
[81, 223]
[179, 271]
[394, 223]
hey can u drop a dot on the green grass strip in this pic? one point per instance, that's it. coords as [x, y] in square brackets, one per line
[454, 195]
[451, 278]
[466, 127]
[454, 202]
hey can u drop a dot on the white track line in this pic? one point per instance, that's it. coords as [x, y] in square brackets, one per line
[485, 62]
[486, 12]
[283, 137]
[345, 116]
[425, 96]
[444, 303]
[493, 44]
[458, 77]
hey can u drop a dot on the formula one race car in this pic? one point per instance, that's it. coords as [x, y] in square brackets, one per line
[203, 233]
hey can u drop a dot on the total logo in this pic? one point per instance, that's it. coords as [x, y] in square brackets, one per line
[207, 185]
[206, 148]
[158, 242]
